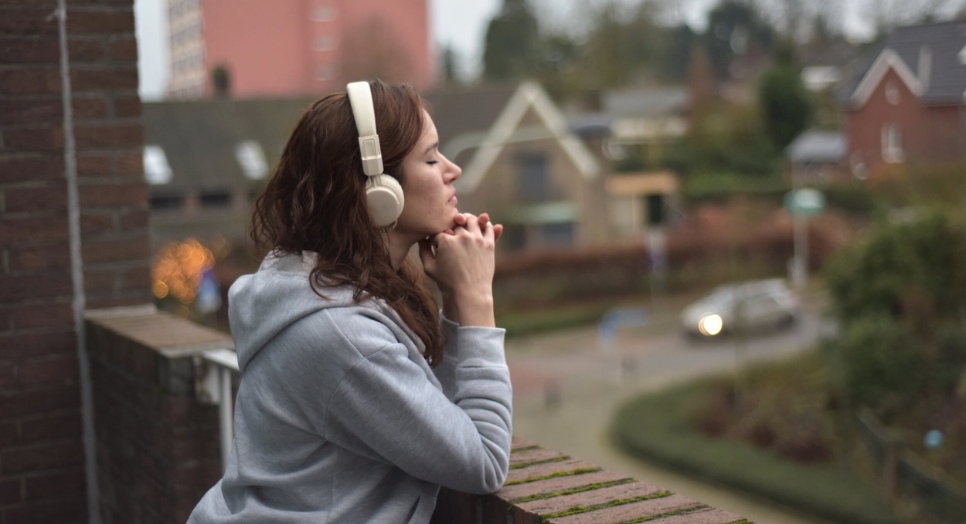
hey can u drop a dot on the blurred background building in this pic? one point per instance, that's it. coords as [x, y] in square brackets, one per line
[254, 48]
[906, 103]
[646, 158]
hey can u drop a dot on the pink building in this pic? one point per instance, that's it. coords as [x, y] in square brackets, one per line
[296, 47]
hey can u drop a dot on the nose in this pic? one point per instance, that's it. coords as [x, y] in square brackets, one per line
[453, 171]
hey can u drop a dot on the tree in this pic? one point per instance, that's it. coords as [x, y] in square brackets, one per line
[510, 49]
[887, 14]
[898, 295]
[450, 76]
[678, 49]
[623, 43]
[700, 78]
[785, 103]
[735, 28]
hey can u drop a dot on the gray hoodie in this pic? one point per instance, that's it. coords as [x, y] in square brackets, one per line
[338, 417]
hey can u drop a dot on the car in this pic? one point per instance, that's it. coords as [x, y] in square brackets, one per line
[759, 305]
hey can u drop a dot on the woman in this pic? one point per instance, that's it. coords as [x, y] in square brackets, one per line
[357, 401]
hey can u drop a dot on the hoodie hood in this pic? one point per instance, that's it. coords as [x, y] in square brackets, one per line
[279, 294]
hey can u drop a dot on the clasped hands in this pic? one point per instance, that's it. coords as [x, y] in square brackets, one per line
[461, 261]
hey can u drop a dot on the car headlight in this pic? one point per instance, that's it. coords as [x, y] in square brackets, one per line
[710, 324]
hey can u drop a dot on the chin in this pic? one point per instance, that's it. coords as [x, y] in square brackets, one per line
[452, 219]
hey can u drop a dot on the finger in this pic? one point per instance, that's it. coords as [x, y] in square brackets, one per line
[497, 232]
[484, 218]
[489, 233]
[473, 224]
[438, 240]
[449, 232]
[426, 256]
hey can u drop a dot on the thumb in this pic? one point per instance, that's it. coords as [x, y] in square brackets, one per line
[427, 257]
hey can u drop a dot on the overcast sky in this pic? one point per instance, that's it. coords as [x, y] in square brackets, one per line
[458, 23]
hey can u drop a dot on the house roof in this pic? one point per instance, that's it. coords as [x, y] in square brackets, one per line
[836, 54]
[475, 125]
[653, 102]
[206, 142]
[459, 111]
[928, 57]
[200, 138]
[817, 146]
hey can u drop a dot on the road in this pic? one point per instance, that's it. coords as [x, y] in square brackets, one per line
[567, 385]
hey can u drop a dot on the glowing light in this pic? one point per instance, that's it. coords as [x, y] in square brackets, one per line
[710, 325]
[160, 289]
[177, 269]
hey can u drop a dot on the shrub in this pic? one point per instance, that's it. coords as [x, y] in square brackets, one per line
[882, 363]
[949, 369]
[875, 276]
[916, 185]
[850, 198]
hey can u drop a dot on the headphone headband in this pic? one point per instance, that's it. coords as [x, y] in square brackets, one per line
[360, 99]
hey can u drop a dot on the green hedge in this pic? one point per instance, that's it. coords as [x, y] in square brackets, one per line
[656, 428]
[543, 320]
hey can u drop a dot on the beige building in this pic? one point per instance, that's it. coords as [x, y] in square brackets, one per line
[205, 160]
[522, 165]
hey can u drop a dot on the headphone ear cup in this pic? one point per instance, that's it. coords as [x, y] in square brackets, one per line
[385, 198]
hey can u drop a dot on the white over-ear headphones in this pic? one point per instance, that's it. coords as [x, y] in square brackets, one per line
[383, 193]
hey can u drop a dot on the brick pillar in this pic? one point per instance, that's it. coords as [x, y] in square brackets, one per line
[42, 475]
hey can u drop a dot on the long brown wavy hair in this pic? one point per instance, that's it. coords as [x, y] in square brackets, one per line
[315, 201]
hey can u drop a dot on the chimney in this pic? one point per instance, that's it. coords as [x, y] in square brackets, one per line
[925, 68]
[221, 79]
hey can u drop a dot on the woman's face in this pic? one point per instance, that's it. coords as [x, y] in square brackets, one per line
[428, 187]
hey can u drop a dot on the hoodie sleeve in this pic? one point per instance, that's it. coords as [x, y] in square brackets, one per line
[386, 405]
[446, 371]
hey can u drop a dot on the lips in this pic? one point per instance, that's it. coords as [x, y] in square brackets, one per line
[452, 199]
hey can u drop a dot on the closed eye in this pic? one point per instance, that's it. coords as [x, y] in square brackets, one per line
[431, 162]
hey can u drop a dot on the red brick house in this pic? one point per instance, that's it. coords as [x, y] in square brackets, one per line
[906, 105]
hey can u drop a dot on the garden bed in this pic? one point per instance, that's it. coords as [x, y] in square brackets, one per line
[660, 428]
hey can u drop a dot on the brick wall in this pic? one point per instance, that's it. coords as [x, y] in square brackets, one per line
[41, 452]
[930, 134]
[157, 447]
[548, 487]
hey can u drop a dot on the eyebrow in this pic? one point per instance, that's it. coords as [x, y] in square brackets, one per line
[431, 147]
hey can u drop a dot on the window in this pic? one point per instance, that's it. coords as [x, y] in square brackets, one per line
[892, 93]
[859, 169]
[325, 72]
[325, 43]
[558, 234]
[533, 178]
[166, 202]
[252, 159]
[892, 151]
[323, 13]
[215, 198]
[156, 168]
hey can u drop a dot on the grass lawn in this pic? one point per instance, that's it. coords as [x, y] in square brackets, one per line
[656, 428]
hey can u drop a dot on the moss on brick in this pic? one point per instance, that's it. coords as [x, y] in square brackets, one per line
[538, 462]
[609, 504]
[683, 511]
[525, 448]
[578, 471]
[570, 491]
